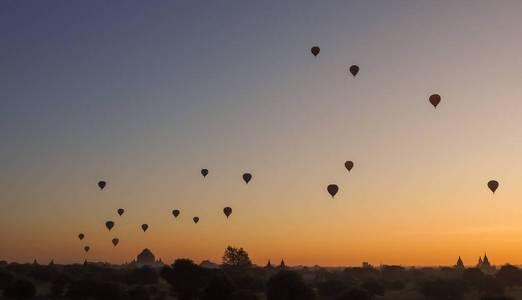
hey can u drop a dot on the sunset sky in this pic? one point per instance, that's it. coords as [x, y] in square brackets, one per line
[144, 94]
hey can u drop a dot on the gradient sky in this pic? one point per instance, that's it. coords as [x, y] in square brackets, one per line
[144, 94]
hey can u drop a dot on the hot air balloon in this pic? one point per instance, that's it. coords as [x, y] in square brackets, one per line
[354, 69]
[435, 100]
[204, 172]
[493, 185]
[121, 211]
[102, 184]
[81, 236]
[144, 227]
[195, 219]
[109, 225]
[349, 165]
[247, 177]
[332, 189]
[115, 242]
[86, 249]
[315, 50]
[175, 213]
[227, 211]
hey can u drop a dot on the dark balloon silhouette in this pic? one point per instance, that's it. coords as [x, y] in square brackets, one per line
[144, 227]
[349, 165]
[86, 248]
[195, 219]
[175, 213]
[354, 70]
[435, 100]
[121, 211]
[102, 184]
[204, 172]
[493, 185]
[115, 242]
[81, 236]
[247, 177]
[228, 211]
[109, 225]
[315, 50]
[332, 189]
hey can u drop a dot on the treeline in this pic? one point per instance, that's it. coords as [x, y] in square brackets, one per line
[238, 280]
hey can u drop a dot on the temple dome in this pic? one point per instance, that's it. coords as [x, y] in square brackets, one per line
[146, 257]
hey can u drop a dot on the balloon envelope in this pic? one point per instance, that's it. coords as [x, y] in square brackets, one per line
[493, 185]
[332, 189]
[354, 70]
[315, 50]
[204, 172]
[81, 236]
[121, 211]
[86, 248]
[435, 100]
[109, 225]
[144, 227]
[115, 242]
[175, 213]
[227, 211]
[102, 184]
[247, 177]
[195, 219]
[349, 165]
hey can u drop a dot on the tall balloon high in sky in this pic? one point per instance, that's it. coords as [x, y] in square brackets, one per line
[109, 225]
[493, 185]
[115, 241]
[204, 172]
[195, 219]
[247, 177]
[102, 184]
[435, 100]
[175, 213]
[81, 236]
[86, 249]
[315, 50]
[332, 189]
[144, 227]
[120, 211]
[354, 69]
[348, 165]
[227, 211]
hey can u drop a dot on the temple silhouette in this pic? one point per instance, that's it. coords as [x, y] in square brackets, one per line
[146, 258]
[483, 264]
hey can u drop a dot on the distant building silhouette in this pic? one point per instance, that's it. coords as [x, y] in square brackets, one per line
[460, 265]
[268, 265]
[366, 265]
[146, 258]
[282, 265]
[207, 264]
[484, 265]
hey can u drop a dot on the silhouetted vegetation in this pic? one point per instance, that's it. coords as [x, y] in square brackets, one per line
[288, 285]
[236, 258]
[240, 280]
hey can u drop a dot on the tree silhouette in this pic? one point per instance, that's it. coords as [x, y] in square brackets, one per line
[20, 289]
[219, 287]
[185, 277]
[510, 275]
[236, 258]
[356, 293]
[288, 285]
